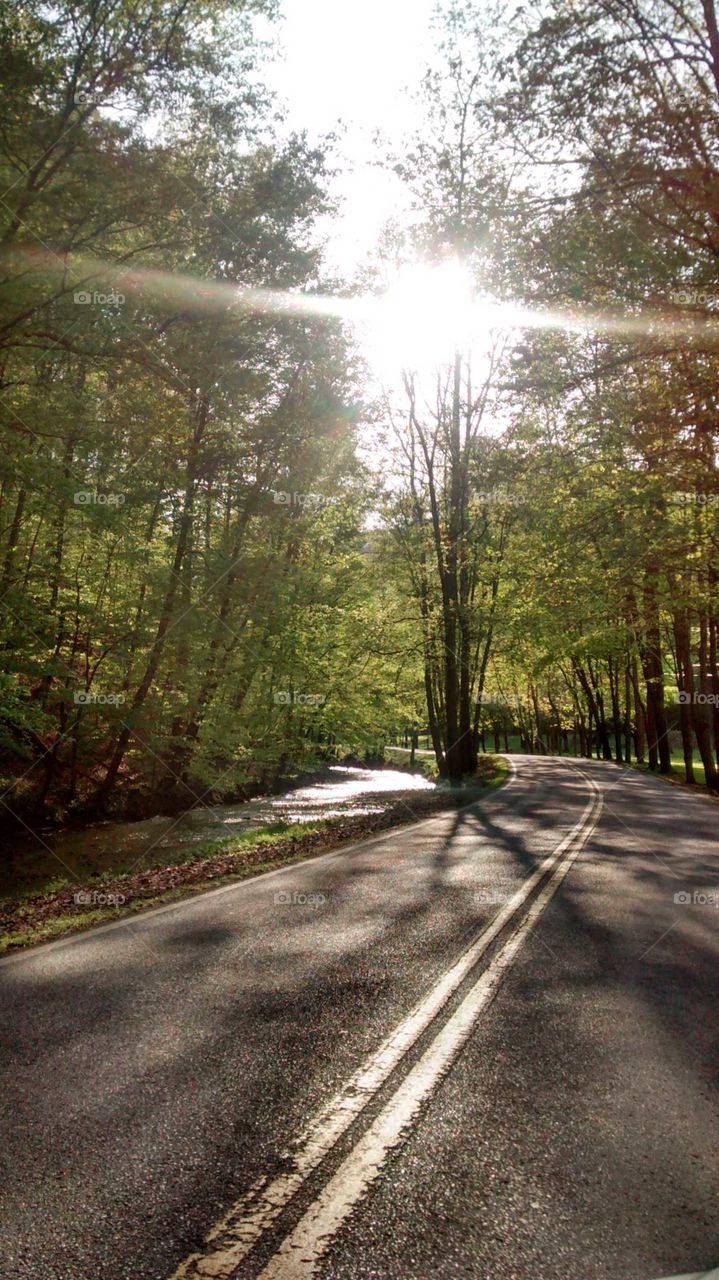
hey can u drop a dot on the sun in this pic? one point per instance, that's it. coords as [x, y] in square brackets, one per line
[429, 313]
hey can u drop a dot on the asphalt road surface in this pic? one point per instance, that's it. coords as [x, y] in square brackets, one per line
[482, 1046]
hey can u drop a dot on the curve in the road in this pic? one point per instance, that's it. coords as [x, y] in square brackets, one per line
[231, 1240]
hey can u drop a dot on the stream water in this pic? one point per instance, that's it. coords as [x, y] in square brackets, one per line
[346, 791]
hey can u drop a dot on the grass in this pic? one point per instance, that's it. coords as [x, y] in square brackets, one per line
[398, 757]
[678, 766]
[269, 834]
[678, 773]
[491, 769]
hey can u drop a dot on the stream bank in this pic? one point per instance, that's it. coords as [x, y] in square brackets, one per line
[349, 812]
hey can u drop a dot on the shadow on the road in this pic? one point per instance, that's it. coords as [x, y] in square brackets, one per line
[263, 1006]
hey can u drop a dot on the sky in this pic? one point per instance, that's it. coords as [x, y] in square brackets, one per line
[343, 65]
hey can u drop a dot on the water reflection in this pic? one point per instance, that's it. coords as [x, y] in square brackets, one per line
[348, 791]
[354, 791]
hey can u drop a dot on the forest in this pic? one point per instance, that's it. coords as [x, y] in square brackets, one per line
[234, 543]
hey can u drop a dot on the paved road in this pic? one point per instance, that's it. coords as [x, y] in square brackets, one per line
[484, 1046]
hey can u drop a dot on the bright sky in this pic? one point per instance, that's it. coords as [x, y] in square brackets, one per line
[347, 63]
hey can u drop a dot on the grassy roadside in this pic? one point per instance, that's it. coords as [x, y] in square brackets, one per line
[677, 776]
[424, 763]
[69, 908]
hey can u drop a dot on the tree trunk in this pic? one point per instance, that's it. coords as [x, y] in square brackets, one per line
[653, 669]
[685, 685]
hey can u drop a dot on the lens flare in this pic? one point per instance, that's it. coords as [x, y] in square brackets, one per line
[429, 312]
